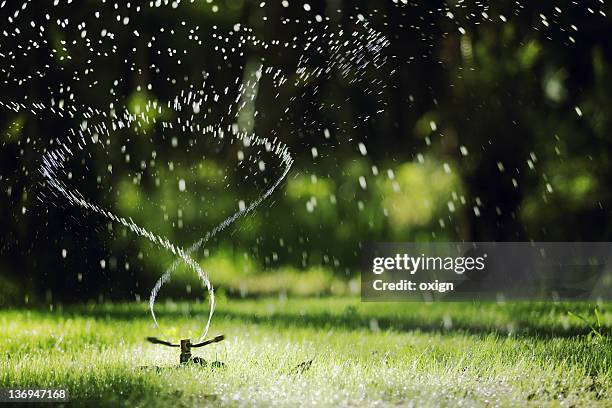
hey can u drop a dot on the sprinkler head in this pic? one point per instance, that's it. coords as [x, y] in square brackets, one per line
[186, 347]
[185, 351]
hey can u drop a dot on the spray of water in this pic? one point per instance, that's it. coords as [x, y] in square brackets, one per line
[50, 36]
[350, 54]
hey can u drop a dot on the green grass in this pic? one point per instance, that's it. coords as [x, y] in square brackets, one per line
[362, 354]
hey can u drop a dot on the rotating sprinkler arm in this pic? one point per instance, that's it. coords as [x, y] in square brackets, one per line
[155, 340]
[217, 339]
[211, 341]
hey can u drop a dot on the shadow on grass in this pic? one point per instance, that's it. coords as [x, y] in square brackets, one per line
[402, 324]
[522, 320]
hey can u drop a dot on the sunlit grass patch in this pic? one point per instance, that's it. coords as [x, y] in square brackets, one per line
[329, 352]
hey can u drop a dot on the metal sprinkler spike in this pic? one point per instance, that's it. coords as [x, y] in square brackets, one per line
[186, 347]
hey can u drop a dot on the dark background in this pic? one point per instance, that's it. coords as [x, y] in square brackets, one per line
[498, 134]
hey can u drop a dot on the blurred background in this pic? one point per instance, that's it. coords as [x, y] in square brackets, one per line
[489, 122]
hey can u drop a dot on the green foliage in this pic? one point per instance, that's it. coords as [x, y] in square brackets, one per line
[15, 128]
[11, 291]
[240, 276]
[466, 113]
[420, 195]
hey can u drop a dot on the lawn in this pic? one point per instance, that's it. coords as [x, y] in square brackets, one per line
[362, 354]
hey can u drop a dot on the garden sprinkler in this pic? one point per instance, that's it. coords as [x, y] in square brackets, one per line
[186, 347]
